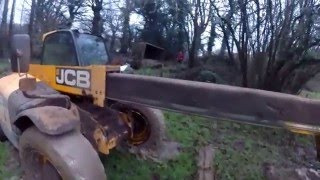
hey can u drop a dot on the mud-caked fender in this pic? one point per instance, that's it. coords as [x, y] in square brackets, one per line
[51, 120]
[51, 112]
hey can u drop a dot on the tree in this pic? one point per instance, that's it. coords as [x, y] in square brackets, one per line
[97, 24]
[181, 12]
[212, 36]
[31, 19]
[113, 22]
[279, 33]
[153, 30]
[201, 13]
[45, 16]
[226, 32]
[294, 33]
[3, 29]
[125, 13]
[74, 9]
[12, 18]
[174, 23]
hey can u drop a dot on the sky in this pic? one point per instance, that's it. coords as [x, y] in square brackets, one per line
[20, 5]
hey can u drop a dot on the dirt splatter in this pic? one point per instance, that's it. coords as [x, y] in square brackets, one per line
[169, 150]
[300, 173]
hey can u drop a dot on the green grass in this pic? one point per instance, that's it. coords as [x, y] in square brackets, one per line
[126, 166]
[256, 147]
[3, 154]
[4, 173]
[311, 95]
[4, 64]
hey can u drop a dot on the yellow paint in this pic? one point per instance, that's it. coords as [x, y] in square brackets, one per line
[301, 128]
[104, 145]
[47, 73]
[48, 33]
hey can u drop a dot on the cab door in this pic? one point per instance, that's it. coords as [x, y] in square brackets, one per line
[59, 50]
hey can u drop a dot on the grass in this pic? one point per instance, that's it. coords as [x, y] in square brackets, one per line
[126, 166]
[241, 151]
[4, 157]
[4, 64]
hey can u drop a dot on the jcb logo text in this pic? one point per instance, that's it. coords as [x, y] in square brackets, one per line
[73, 77]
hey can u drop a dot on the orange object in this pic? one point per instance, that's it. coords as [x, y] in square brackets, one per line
[180, 57]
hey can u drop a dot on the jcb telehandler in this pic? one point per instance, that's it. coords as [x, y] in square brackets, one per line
[61, 113]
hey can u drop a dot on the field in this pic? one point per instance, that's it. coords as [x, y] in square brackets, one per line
[241, 152]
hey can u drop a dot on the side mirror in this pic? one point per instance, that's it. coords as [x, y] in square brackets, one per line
[20, 60]
[20, 53]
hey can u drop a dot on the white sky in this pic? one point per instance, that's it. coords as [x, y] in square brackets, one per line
[18, 10]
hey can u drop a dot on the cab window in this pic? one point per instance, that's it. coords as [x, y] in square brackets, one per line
[92, 50]
[59, 50]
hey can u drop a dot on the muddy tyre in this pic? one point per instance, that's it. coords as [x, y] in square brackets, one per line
[67, 156]
[3, 137]
[148, 127]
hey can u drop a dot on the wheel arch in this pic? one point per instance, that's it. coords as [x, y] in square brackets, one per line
[23, 123]
[50, 120]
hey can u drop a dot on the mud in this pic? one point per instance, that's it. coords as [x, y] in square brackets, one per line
[169, 150]
[299, 173]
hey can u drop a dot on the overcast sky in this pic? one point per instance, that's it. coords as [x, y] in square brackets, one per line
[18, 10]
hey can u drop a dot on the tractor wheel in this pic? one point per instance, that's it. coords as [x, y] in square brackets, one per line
[67, 156]
[148, 126]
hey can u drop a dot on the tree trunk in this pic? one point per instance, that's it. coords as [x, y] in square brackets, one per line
[243, 66]
[71, 8]
[39, 22]
[11, 23]
[191, 56]
[125, 29]
[3, 29]
[243, 53]
[194, 47]
[97, 27]
[212, 37]
[230, 60]
[181, 24]
[31, 20]
[4, 16]
[12, 18]
[113, 39]
[31, 23]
